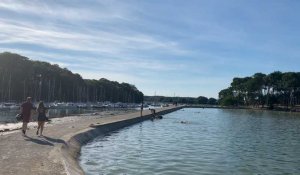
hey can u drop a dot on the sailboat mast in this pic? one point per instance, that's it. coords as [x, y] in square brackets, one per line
[9, 88]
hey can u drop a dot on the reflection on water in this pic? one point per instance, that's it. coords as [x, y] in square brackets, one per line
[8, 116]
[209, 141]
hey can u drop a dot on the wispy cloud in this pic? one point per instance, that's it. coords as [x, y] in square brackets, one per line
[76, 10]
[97, 41]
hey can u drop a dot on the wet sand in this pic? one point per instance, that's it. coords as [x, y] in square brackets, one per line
[55, 153]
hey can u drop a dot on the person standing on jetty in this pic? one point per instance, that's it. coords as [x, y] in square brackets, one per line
[142, 108]
[26, 108]
[41, 110]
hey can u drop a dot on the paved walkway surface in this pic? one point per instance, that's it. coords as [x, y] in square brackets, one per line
[33, 155]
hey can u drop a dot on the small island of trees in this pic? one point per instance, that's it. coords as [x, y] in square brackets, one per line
[275, 90]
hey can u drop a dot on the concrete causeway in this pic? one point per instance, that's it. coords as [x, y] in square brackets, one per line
[56, 153]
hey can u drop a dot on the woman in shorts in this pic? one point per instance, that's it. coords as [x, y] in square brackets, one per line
[41, 110]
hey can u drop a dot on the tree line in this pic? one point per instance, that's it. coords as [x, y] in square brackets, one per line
[183, 100]
[21, 77]
[277, 89]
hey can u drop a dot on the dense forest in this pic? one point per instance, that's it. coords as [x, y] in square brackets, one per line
[276, 89]
[21, 77]
[183, 100]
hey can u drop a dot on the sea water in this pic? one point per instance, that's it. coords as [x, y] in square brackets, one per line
[200, 141]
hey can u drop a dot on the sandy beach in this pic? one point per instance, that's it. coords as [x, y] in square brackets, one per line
[43, 155]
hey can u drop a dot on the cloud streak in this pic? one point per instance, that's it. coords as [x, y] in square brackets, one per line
[75, 11]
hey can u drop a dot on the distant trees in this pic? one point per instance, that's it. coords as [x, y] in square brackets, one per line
[185, 100]
[212, 101]
[202, 100]
[21, 77]
[260, 89]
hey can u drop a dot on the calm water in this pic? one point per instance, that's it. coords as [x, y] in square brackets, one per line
[209, 141]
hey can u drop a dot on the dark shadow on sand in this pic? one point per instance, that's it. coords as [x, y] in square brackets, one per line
[54, 140]
[38, 141]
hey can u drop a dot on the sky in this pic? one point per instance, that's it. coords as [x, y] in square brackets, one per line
[164, 47]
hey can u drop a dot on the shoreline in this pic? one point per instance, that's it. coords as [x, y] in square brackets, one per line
[57, 152]
[15, 126]
[12, 126]
[71, 150]
[275, 109]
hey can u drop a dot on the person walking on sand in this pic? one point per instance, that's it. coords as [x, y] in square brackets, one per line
[26, 108]
[41, 110]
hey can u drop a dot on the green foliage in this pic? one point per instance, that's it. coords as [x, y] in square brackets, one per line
[21, 77]
[212, 101]
[202, 100]
[184, 100]
[228, 101]
[260, 89]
